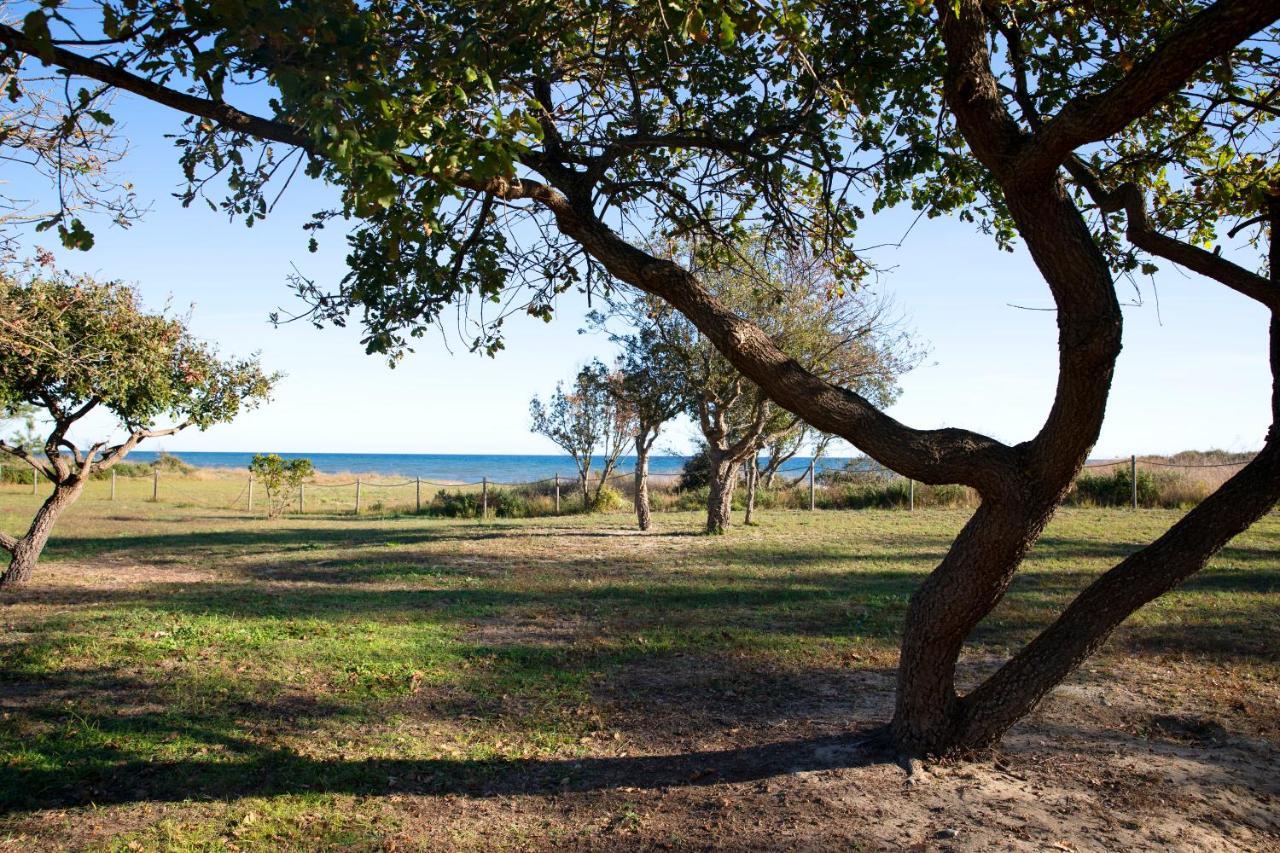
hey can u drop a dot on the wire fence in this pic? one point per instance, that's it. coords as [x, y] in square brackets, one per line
[1135, 482]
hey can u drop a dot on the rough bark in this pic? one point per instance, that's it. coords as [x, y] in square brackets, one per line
[25, 552]
[724, 478]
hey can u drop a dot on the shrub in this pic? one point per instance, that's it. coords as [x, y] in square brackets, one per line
[125, 469]
[455, 504]
[280, 479]
[608, 500]
[509, 504]
[696, 473]
[1115, 489]
[172, 464]
[17, 473]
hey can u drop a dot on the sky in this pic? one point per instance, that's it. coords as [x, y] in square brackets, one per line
[1193, 373]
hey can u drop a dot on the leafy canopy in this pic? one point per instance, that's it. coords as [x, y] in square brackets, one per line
[470, 141]
[69, 344]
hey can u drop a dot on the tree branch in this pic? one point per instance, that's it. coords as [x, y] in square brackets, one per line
[40, 466]
[1140, 232]
[1209, 34]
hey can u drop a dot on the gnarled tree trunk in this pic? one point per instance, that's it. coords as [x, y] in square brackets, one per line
[25, 552]
[724, 478]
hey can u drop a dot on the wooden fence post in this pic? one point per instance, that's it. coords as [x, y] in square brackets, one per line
[357, 495]
[155, 486]
[249, 503]
[484, 497]
[33, 481]
[1133, 479]
[302, 500]
[113, 484]
[911, 495]
[812, 498]
[557, 494]
[417, 493]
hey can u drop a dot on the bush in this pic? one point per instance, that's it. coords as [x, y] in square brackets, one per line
[1115, 489]
[17, 472]
[608, 500]
[696, 473]
[280, 479]
[509, 504]
[455, 504]
[125, 469]
[172, 464]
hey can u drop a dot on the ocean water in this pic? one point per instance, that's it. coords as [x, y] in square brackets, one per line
[466, 468]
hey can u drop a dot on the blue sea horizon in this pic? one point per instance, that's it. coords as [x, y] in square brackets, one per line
[454, 467]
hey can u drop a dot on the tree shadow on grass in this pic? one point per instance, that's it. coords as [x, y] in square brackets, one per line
[262, 772]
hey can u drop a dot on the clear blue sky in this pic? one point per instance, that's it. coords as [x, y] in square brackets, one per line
[1192, 375]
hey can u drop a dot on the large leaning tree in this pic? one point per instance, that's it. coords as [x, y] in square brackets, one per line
[482, 146]
[73, 346]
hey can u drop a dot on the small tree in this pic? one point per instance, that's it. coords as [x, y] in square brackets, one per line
[587, 418]
[73, 345]
[846, 337]
[646, 391]
[280, 479]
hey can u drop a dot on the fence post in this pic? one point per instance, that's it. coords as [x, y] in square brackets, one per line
[812, 499]
[1133, 479]
[302, 499]
[113, 484]
[484, 497]
[33, 481]
[357, 495]
[911, 495]
[417, 494]
[155, 486]
[557, 494]
[249, 503]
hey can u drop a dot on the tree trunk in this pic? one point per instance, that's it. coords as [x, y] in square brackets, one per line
[643, 515]
[753, 476]
[724, 477]
[26, 551]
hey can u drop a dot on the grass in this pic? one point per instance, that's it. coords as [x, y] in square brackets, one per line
[185, 677]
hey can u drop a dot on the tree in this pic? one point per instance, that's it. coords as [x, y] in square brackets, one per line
[281, 480]
[645, 389]
[587, 418]
[73, 345]
[1106, 138]
[846, 337]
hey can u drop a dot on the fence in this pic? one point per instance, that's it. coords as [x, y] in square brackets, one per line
[1134, 482]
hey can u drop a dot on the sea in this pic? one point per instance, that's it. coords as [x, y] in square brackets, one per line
[457, 467]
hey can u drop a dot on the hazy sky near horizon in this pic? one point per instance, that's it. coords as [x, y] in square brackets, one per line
[1193, 373]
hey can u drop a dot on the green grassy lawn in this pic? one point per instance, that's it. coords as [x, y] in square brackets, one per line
[182, 676]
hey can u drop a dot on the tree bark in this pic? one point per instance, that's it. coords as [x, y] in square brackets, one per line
[724, 477]
[26, 551]
[753, 476]
[643, 515]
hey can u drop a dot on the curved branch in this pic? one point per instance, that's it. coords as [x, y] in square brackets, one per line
[1140, 232]
[931, 456]
[1208, 34]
